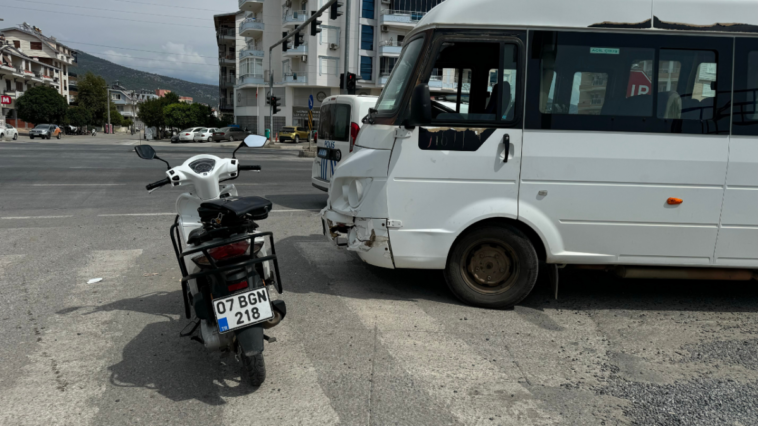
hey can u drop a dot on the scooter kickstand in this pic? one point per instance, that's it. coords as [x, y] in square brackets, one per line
[269, 339]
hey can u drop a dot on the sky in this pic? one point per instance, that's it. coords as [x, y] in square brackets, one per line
[178, 34]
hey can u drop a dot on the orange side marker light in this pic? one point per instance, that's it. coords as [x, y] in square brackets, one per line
[674, 201]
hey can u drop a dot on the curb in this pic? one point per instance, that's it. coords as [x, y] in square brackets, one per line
[306, 154]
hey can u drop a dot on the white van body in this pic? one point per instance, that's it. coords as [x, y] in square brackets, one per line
[340, 117]
[582, 158]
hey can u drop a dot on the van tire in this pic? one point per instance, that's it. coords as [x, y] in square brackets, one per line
[505, 286]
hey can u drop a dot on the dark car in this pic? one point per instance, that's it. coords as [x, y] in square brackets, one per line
[175, 138]
[229, 134]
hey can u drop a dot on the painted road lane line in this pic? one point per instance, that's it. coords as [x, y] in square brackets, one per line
[135, 214]
[34, 217]
[79, 184]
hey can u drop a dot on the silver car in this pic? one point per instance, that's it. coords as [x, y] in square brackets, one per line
[45, 131]
[205, 135]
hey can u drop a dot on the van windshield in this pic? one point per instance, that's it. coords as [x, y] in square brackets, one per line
[393, 92]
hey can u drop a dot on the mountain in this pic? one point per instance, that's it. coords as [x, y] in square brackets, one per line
[135, 80]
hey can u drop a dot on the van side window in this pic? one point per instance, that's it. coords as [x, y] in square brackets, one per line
[629, 82]
[467, 86]
[745, 121]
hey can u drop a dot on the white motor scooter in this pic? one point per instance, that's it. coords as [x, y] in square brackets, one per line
[227, 265]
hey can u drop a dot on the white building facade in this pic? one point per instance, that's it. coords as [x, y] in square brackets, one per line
[377, 30]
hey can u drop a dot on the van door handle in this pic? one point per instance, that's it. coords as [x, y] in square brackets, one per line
[507, 146]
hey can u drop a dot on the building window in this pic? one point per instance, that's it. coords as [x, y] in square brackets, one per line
[17, 44]
[386, 64]
[36, 45]
[8, 85]
[367, 37]
[368, 9]
[367, 67]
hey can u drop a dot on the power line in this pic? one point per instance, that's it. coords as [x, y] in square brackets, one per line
[110, 10]
[136, 50]
[106, 17]
[171, 6]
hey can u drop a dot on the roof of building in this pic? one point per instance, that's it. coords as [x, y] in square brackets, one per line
[45, 39]
[12, 49]
[685, 15]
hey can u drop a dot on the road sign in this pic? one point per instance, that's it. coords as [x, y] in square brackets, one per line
[5, 100]
[310, 102]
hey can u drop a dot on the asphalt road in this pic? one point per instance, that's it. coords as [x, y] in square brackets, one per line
[360, 345]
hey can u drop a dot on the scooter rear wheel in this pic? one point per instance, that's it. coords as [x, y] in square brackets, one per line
[253, 368]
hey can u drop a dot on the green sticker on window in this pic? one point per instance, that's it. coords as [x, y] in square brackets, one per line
[604, 51]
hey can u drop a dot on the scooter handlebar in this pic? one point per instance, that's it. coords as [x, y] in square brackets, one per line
[250, 168]
[158, 184]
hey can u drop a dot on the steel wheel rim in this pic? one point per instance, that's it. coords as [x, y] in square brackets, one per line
[490, 267]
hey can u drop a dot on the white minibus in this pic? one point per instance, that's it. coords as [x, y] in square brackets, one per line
[603, 134]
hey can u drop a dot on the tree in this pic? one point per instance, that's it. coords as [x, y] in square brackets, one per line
[151, 112]
[42, 104]
[93, 95]
[116, 118]
[180, 115]
[78, 116]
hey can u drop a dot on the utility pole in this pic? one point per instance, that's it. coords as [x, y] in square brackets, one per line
[347, 46]
[108, 95]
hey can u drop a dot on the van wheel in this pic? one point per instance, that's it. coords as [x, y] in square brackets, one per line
[492, 267]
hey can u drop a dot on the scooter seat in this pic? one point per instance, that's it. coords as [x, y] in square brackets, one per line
[232, 209]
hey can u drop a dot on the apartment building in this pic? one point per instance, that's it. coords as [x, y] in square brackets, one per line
[33, 43]
[377, 32]
[127, 102]
[19, 73]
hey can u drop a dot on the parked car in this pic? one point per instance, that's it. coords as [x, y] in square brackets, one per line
[188, 135]
[293, 134]
[45, 131]
[229, 134]
[175, 138]
[8, 133]
[341, 119]
[205, 134]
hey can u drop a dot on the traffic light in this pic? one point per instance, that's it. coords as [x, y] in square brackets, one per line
[285, 43]
[351, 80]
[275, 104]
[315, 25]
[299, 40]
[335, 11]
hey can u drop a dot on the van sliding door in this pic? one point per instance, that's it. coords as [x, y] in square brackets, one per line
[626, 146]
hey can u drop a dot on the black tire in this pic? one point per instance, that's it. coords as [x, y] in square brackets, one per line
[253, 368]
[231, 138]
[59, 136]
[297, 139]
[508, 262]
[15, 137]
[49, 137]
[31, 137]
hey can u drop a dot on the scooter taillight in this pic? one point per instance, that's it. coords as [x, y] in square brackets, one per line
[239, 286]
[226, 252]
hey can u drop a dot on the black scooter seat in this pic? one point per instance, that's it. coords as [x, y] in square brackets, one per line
[235, 208]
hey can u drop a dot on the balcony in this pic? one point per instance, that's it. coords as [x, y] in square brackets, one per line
[225, 34]
[250, 80]
[14, 94]
[400, 18]
[251, 5]
[295, 77]
[223, 105]
[126, 113]
[28, 75]
[384, 78]
[293, 19]
[7, 69]
[227, 81]
[298, 51]
[229, 59]
[390, 48]
[251, 28]
[251, 52]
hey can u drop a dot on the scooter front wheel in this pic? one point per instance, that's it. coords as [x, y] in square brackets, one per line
[253, 367]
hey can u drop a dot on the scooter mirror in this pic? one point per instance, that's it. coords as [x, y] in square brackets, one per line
[145, 152]
[255, 141]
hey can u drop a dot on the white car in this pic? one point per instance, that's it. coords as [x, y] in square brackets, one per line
[188, 135]
[205, 134]
[339, 123]
[8, 133]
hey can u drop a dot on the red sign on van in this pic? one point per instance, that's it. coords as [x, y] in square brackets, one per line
[5, 100]
[639, 84]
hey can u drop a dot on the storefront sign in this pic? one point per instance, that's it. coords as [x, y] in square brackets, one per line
[6, 100]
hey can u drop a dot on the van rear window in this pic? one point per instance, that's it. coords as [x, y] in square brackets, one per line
[334, 124]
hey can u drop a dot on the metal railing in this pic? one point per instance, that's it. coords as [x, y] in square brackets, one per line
[251, 24]
[251, 52]
[294, 17]
[295, 76]
[250, 79]
[300, 50]
[223, 105]
[226, 32]
[390, 16]
[227, 81]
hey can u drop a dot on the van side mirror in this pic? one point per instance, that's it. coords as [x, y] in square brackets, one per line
[421, 107]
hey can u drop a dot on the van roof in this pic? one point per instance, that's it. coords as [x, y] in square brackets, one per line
[683, 15]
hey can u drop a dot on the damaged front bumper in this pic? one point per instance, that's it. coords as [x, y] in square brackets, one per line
[367, 237]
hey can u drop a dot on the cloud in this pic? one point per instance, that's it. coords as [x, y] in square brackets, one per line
[180, 61]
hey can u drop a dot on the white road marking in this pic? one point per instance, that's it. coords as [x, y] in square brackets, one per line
[136, 214]
[448, 369]
[34, 217]
[68, 372]
[79, 184]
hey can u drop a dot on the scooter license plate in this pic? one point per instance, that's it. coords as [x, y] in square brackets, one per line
[243, 310]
